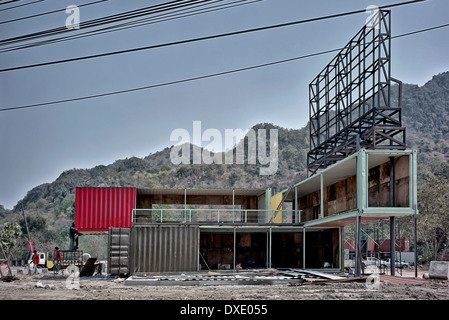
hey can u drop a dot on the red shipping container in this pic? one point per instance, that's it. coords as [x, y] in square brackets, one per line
[99, 208]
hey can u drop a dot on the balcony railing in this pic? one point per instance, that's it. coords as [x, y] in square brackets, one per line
[237, 216]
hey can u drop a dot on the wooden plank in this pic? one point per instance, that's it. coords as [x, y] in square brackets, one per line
[323, 275]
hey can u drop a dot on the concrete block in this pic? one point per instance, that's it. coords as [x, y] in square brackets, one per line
[439, 270]
[44, 270]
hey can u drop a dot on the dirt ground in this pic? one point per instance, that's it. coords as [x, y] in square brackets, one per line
[58, 287]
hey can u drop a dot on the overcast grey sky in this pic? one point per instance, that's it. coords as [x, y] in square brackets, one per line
[38, 144]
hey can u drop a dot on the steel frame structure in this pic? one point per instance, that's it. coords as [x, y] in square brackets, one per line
[350, 102]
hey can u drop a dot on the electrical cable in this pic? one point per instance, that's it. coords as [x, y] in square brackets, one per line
[139, 11]
[204, 76]
[49, 12]
[2, 3]
[182, 13]
[210, 37]
[105, 20]
[22, 5]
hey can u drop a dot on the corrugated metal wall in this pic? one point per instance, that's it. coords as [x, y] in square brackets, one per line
[164, 248]
[98, 209]
[118, 251]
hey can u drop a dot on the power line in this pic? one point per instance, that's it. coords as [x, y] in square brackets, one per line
[420, 31]
[200, 38]
[205, 76]
[2, 3]
[49, 12]
[22, 5]
[106, 20]
[182, 13]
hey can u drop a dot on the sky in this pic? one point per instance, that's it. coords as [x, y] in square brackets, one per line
[38, 144]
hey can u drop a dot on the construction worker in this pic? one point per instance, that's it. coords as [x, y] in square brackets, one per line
[35, 261]
[73, 237]
[57, 259]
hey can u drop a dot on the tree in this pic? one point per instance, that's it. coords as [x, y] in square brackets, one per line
[433, 218]
[9, 235]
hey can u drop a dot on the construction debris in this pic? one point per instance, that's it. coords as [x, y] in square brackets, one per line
[46, 286]
[253, 277]
[291, 277]
[9, 278]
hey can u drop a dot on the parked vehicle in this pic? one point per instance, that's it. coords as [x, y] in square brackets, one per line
[370, 261]
[43, 261]
[398, 264]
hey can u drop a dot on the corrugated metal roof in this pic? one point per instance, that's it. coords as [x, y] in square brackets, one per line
[100, 208]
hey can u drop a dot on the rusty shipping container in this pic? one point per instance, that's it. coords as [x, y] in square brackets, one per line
[99, 208]
[164, 248]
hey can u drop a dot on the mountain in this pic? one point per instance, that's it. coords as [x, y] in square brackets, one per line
[50, 206]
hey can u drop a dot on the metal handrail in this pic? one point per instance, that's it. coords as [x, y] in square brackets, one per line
[186, 215]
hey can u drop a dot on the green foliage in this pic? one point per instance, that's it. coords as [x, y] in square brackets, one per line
[9, 235]
[35, 223]
[68, 206]
[233, 177]
[434, 217]
[165, 167]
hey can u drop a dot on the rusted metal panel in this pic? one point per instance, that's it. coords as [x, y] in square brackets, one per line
[164, 248]
[99, 208]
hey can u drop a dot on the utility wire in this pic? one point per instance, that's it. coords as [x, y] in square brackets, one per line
[2, 3]
[22, 5]
[182, 13]
[204, 76]
[49, 12]
[134, 13]
[106, 20]
[198, 39]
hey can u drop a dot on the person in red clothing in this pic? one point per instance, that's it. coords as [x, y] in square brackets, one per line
[57, 259]
[35, 261]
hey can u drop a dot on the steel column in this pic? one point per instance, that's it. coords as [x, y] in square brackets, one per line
[358, 266]
[392, 220]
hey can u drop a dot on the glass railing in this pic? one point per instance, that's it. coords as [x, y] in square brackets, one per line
[148, 216]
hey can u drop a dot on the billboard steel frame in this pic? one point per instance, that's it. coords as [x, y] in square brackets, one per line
[350, 102]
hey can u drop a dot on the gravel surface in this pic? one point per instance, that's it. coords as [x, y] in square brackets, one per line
[58, 287]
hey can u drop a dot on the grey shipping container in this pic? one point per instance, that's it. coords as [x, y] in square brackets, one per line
[164, 248]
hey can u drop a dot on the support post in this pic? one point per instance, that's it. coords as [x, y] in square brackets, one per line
[392, 246]
[416, 248]
[392, 220]
[358, 265]
[303, 248]
[233, 205]
[269, 266]
[321, 196]
[341, 248]
[185, 205]
[296, 215]
[234, 246]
